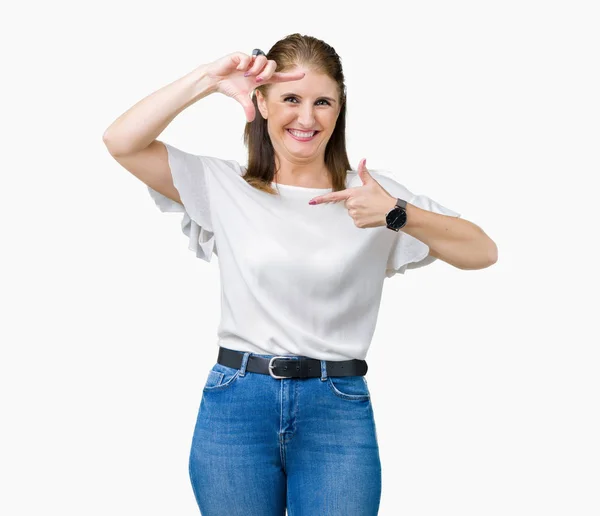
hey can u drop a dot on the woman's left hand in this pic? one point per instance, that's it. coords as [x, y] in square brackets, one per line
[367, 204]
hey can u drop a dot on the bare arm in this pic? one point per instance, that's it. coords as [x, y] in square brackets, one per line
[131, 138]
[141, 124]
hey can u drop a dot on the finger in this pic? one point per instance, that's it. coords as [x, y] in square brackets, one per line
[244, 61]
[286, 76]
[247, 104]
[267, 71]
[318, 200]
[259, 63]
[332, 197]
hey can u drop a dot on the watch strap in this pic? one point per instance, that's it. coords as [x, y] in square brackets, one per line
[401, 203]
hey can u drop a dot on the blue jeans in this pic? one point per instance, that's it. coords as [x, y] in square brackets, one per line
[262, 445]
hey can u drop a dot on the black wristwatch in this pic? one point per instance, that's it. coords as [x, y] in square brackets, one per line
[396, 218]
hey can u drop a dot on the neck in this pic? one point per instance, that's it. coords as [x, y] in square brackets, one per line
[310, 174]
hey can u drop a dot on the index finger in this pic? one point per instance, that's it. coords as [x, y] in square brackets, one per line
[286, 76]
[333, 196]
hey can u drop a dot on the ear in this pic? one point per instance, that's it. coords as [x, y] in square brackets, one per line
[262, 104]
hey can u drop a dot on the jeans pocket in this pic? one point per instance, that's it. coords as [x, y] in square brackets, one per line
[220, 377]
[349, 387]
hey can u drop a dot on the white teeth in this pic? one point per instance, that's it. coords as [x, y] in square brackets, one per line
[302, 135]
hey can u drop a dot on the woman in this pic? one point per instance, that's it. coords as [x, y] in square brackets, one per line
[285, 419]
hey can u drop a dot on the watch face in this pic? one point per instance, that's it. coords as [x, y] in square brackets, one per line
[396, 218]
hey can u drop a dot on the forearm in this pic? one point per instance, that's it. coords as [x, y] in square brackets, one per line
[141, 124]
[457, 241]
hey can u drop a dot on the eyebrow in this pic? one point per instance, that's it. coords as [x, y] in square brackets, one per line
[299, 96]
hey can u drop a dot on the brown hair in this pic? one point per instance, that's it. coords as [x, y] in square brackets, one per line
[289, 52]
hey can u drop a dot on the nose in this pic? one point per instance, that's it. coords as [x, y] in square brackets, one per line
[306, 118]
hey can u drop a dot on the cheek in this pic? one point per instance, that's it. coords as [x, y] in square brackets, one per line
[329, 122]
[330, 117]
[278, 116]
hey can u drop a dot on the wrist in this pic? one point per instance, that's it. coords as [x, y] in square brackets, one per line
[388, 206]
[391, 204]
[202, 85]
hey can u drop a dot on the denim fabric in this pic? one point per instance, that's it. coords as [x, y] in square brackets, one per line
[262, 445]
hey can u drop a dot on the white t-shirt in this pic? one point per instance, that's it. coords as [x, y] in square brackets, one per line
[296, 279]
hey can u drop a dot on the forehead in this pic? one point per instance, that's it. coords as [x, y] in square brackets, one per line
[313, 84]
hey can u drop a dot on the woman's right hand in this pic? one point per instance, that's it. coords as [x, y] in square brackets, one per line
[227, 74]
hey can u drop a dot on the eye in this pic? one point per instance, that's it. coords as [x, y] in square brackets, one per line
[320, 100]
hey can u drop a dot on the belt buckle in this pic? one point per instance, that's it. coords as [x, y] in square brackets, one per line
[271, 366]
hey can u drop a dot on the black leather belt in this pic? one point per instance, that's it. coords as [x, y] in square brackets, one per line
[291, 366]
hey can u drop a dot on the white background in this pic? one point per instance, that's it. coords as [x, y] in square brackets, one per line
[484, 383]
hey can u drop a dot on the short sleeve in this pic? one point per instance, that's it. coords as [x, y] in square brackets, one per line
[407, 252]
[191, 179]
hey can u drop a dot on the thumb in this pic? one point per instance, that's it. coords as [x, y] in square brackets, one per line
[248, 106]
[363, 173]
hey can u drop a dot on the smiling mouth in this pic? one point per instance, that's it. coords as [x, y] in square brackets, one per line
[299, 138]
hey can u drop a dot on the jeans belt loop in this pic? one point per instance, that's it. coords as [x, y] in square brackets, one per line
[323, 370]
[244, 363]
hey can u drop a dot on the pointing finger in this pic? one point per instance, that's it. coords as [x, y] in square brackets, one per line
[286, 76]
[333, 197]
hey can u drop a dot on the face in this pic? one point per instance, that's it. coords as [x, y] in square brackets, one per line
[309, 104]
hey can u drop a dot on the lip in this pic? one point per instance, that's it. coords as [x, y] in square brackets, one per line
[302, 139]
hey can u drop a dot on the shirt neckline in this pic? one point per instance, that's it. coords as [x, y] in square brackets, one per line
[299, 188]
